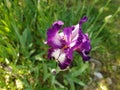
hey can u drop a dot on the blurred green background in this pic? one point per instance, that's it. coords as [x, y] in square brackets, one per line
[23, 54]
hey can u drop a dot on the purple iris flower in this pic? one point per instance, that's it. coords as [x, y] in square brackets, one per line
[64, 43]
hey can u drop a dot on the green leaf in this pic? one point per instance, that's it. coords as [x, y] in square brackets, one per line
[76, 80]
[80, 71]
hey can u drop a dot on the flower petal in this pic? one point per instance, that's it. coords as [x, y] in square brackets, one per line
[63, 64]
[85, 47]
[86, 44]
[80, 35]
[75, 32]
[66, 63]
[84, 55]
[67, 33]
[50, 53]
[64, 58]
[53, 38]
[84, 19]
[82, 42]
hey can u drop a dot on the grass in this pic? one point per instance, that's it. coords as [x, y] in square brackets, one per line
[23, 55]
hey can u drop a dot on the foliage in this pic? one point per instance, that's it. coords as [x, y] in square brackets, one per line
[23, 55]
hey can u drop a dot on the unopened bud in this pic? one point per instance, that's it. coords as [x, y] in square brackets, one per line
[53, 71]
[101, 10]
[108, 18]
[118, 9]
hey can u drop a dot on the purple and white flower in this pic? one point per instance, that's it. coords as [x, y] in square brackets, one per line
[62, 44]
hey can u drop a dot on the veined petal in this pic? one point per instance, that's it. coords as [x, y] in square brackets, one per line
[80, 35]
[56, 53]
[50, 51]
[65, 64]
[78, 40]
[75, 32]
[84, 55]
[67, 33]
[64, 58]
[67, 60]
[86, 43]
[53, 38]
[84, 48]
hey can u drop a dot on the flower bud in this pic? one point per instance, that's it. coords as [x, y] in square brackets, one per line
[108, 19]
[53, 71]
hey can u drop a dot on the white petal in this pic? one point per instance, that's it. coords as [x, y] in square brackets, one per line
[61, 34]
[73, 42]
[56, 53]
[62, 57]
[75, 31]
[56, 40]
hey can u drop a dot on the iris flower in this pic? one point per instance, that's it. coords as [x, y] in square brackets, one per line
[64, 43]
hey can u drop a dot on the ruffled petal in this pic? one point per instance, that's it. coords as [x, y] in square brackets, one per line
[78, 27]
[82, 44]
[63, 64]
[64, 58]
[84, 19]
[84, 55]
[86, 44]
[66, 63]
[77, 34]
[53, 38]
[78, 42]
[63, 44]
[85, 48]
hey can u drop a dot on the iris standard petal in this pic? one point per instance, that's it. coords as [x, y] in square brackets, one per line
[67, 33]
[81, 36]
[75, 32]
[53, 38]
[84, 19]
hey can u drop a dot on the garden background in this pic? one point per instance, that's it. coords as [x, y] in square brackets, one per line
[23, 54]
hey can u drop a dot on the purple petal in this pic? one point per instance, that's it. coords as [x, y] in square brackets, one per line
[58, 23]
[84, 19]
[81, 36]
[75, 32]
[68, 59]
[63, 58]
[67, 32]
[66, 63]
[82, 43]
[78, 41]
[84, 48]
[53, 38]
[84, 55]
[50, 51]
[63, 44]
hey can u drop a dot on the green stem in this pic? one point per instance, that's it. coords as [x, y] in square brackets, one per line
[98, 16]
[100, 29]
